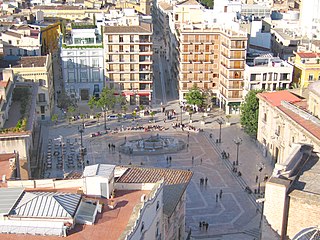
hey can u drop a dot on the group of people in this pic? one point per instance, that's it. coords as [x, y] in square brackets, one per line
[203, 225]
[203, 181]
[186, 127]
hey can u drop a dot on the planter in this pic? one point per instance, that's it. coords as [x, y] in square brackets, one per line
[202, 122]
[190, 121]
[228, 123]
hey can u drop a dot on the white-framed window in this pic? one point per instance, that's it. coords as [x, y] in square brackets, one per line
[70, 63]
[95, 62]
[310, 77]
[96, 76]
[83, 76]
[71, 77]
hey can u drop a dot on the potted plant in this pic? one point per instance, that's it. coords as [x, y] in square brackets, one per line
[152, 114]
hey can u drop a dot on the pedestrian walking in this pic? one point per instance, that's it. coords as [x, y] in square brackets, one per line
[192, 161]
[217, 197]
[207, 226]
[220, 194]
[167, 159]
[109, 145]
[200, 161]
[200, 225]
[125, 138]
[206, 181]
[257, 178]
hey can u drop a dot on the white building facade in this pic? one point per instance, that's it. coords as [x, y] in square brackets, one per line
[82, 64]
[267, 73]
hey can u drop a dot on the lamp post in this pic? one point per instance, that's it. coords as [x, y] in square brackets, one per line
[220, 122]
[237, 141]
[181, 114]
[260, 168]
[81, 130]
[261, 200]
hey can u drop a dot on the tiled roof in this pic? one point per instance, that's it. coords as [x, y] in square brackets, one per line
[47, 205]
[5, 164]
[37, 61]
[103, 170]
[128, 29]
[13, 34]
[60, 7]
[189, 2]
[165, 6]
[275, 98]
[175, 183]
[308, 54]
[310, 126]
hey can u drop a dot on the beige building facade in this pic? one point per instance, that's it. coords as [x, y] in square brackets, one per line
[128, 61]
[37, 69]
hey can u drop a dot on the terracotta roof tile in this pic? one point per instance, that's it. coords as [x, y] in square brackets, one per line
[37, 61]
[13, 34]
[311, 127]
[175, 183]
[308, 54]
[5, 165]
[144, 28]
[275, 98]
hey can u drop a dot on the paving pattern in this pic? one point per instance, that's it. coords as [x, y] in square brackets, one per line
[234, 216]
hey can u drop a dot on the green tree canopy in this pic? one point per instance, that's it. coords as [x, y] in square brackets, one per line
[107, 101]
[195, 97]
[249, 113]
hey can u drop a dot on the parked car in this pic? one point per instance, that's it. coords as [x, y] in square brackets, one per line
[90, 123]
[112, 117]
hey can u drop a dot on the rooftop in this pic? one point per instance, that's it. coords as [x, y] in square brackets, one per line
[315, 88]
[98, 170]
[33, 61]
[175, 183]
[143, 28]
[109, 224]
[308, 54]
[8, 197]
[275, 98]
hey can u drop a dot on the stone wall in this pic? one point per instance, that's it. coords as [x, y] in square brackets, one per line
[304, 211]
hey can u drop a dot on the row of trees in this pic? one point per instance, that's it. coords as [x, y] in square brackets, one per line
[109, 99]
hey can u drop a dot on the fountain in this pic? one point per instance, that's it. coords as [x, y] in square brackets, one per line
[155, 144]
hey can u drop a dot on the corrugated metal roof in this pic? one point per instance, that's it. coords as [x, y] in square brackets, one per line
[47, 204]
[8, 198]
[103, 170]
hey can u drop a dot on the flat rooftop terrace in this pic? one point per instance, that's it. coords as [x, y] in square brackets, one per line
[109, 224]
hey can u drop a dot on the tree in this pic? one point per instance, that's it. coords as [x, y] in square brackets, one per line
[65, 101]
[54, 118]
[195, 97]
[91, 103]
[106, 102]
[249, 113]
[152, 114]
[70, 110]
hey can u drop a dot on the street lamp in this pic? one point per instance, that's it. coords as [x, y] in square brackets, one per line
[260, 168]
[81, 130]
[220, 122]
[237, 141]
[181, 114]
[261, 200]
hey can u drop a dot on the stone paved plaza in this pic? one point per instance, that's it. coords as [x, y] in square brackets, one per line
[235, 215]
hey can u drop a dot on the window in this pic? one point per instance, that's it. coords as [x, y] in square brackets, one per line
[83, 76]
[70, 64]
[71, 77]
[18, 42]
[131, 38]
[42, 97]
[25, 52]
[109, 38]
[278, 131]
[264, 77]
[95, 62]
[120, 48]
[95, 76]
[10, 52]
[110, 49]
[265, 117]
[42, 109]
[42, 82]
[120, 38]
[275, 76]
[82, 62]
[10, 42]
[310, 77]
[131, 48]
[34, 53]
[176, 17]
[96, 88]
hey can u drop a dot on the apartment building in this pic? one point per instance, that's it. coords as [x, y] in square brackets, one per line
[37, 69]
[21, 40]
[306, 68]
[82, 62]
[6, 89]
[233, 47]
[128, 61]
[268, 73]
[199, 56]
